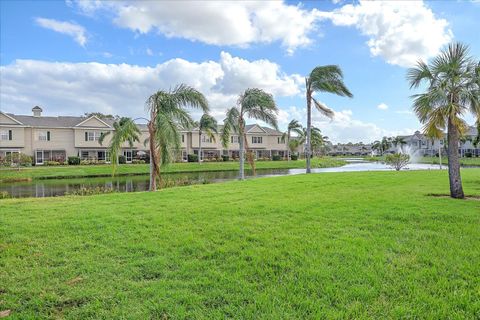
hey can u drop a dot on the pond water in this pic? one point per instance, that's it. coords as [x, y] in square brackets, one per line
[60, 187]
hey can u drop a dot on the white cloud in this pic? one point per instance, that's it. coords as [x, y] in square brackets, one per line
[382, 106]
[76, 31]
[401, 32]
[345, 128]
[237, 23]
[75, 88]
[149, 52]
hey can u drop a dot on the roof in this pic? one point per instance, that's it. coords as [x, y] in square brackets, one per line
[248, 127]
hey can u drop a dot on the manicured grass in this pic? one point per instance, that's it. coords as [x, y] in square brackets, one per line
[322, 246]
[57, 172]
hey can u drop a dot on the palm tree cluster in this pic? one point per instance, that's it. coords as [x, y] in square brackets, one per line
[452, 82]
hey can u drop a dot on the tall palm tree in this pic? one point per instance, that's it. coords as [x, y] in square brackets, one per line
[317, 140]
[293, 126]
[322, 79]
[125, 131]
[398, 141]
[168, 115]
[453, 89]
[207, 125]
[382, 145]
[253, 103]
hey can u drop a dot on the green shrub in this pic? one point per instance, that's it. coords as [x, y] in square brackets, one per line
[397, 160]
[468, 154]
[88, 191]
[225, 158]
[294, 156]
[138, 161]
[122, 159]
[16, 160]
[73, 161]
[52, 163]
[276, 157]
[192, 158]
[4, 195]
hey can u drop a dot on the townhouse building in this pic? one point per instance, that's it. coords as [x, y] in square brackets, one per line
[47, 138]
[422, 145]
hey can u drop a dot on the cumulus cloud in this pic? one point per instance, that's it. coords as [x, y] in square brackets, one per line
[345, 128]
[236, 23]
[401, 32]
[382, 106]
[75, 88]
[76, 31]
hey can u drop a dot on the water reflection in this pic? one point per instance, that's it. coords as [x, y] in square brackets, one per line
[60, 187]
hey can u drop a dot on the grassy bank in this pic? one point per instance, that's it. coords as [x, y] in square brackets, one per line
[338, 245]
[434, 160]
[58, 172]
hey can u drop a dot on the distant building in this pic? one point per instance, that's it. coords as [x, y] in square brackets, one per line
[56, 138]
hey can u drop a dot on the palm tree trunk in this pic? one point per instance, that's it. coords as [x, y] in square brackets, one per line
[199, 145]
[456, 189]
[241, 153]
[153, 157]
[309, 127]
[288, 146]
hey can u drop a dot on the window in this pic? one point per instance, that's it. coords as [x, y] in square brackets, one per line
[234, 139]
[183, 138]
[84, 155]
[257, 140]
[280, 140]
[6, 135]
[92, 136]
[44, 136]
[206, 139]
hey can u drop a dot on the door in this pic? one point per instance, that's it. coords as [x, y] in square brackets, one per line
[39, 157]
[128, 155]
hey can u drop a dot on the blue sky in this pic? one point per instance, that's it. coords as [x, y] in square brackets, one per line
[79, 56]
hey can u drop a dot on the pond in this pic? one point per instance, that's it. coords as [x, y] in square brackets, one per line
[60, 187]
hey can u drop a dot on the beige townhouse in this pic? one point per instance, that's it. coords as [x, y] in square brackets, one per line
[47, 138]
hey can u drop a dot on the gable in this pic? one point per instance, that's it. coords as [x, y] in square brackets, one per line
[256, 129]
[93, 122]
[5, 119]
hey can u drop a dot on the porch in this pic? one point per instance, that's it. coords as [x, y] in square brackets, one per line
[41, 156]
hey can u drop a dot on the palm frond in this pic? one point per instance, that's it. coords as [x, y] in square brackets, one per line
[230, 125]
[326, 111]
[329, 79]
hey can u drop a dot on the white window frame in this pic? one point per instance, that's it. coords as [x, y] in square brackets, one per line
[42, 135]
[4, 135]
[93, 135]
[257, 139]
[234, 139]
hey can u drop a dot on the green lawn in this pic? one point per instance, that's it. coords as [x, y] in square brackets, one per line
[321, 246]
[45, 172]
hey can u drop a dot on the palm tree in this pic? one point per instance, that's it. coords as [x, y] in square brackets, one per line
[294, 126]
[322, 79]
[453, 89]
[207, 124]
[125, 131]
[398, 141]
[168, 115]
[253, 103]
[317, 140]
[382, 145]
